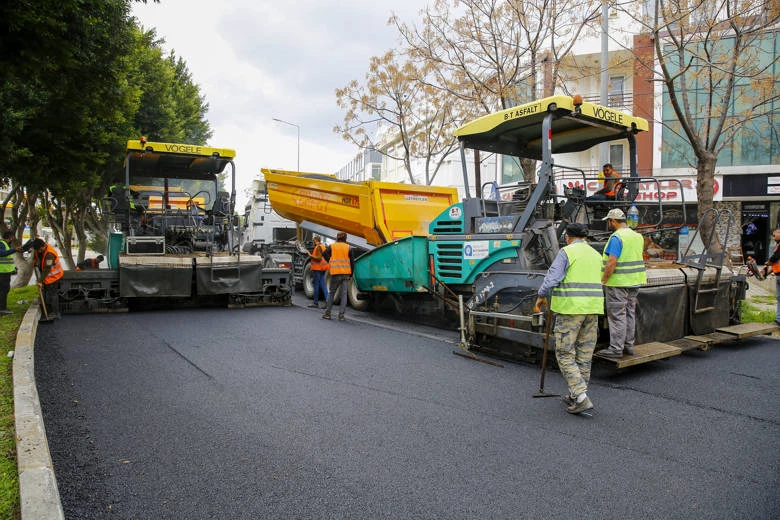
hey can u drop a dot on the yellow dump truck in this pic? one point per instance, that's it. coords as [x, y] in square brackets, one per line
[378, 212]
[372, 213]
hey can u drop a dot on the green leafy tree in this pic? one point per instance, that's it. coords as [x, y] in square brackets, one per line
[79, 79]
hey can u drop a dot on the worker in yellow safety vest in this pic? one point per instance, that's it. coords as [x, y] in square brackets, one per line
[623, 273]
[340, 256]
[574, 279]
[49, 270]
[7, 268]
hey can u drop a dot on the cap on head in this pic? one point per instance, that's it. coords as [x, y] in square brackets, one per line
[615, 214]
[577, 229]
[38, 243]
[341, 235]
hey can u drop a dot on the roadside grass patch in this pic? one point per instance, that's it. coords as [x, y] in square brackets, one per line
[763, 300]
[752, 313]
[19, 300]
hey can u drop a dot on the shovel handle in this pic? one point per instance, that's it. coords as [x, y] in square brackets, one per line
[547, 327]
[43, 302]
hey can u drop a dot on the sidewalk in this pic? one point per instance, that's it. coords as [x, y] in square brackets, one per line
[763, 290]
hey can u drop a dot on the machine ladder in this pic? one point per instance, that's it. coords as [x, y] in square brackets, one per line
[705, 293]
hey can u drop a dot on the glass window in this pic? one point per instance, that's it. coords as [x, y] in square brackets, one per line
[616, 157]
[511, 170]
[756, 141]
[616, 91]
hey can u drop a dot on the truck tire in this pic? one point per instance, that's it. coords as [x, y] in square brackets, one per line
[308, 281]
[352, 294]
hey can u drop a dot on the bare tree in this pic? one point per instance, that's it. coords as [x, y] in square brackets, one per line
[396, 101]
[715, 61]
[489, 54]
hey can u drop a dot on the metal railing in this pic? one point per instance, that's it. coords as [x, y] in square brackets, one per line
[619, 100]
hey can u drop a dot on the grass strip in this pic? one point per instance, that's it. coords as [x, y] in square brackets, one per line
[19, 300]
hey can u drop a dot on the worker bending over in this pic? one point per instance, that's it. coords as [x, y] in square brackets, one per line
[49, 271]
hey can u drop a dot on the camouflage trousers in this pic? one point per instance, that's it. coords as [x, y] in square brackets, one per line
[575, 340]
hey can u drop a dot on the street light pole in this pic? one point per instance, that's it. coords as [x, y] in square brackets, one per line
[298, 128]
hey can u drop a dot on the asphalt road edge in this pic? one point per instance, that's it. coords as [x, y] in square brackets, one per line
[38, 492]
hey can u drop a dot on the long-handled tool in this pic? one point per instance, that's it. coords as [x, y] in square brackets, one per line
[464, 344]
[547, 325]
[43, 302]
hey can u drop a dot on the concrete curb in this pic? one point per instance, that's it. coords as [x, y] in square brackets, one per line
[40, 498]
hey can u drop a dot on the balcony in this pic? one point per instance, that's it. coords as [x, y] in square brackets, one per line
[617, 100]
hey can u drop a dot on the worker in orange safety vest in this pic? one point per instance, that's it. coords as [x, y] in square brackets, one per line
[774, 262]
[319, 266]
[341, 258]
[49, 270]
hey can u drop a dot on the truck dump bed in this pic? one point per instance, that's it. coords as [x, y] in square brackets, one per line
[380, 212]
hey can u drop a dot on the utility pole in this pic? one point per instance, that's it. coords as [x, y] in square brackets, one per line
[299, 138]
[604, 93]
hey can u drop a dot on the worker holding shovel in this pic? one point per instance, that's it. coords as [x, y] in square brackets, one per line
[49, 270]
[574, 279]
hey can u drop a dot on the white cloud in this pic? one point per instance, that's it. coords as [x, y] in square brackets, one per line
[256, 60]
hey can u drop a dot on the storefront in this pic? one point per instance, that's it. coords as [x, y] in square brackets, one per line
[758, 197]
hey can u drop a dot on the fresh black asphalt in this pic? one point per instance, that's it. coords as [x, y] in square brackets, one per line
[277, 413]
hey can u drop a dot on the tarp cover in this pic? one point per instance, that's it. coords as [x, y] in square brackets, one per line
[140, 281]
[665, 306]
[229, 278]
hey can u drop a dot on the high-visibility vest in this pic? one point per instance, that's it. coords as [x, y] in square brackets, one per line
[615, 177]
[630, 268]
[119, 192]
[55, 273]
[776, 265]
[580, 291]
[6, 262]
[318, 263]
[89, 263]
[339, 258]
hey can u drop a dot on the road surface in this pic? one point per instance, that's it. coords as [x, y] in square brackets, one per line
[277, 413]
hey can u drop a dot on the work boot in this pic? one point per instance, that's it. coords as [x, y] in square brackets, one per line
[568, 400]
[580, 407]
[341, 317]
[315, 305]
[326, 316]
[609, 353]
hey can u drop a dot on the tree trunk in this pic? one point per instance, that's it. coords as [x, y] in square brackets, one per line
[705, 180]
[24, 271]
[529, 169]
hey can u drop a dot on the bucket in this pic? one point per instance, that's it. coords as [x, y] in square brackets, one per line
[116, 243]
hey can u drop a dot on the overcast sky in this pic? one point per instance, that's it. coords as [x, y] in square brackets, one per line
[256, 60]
